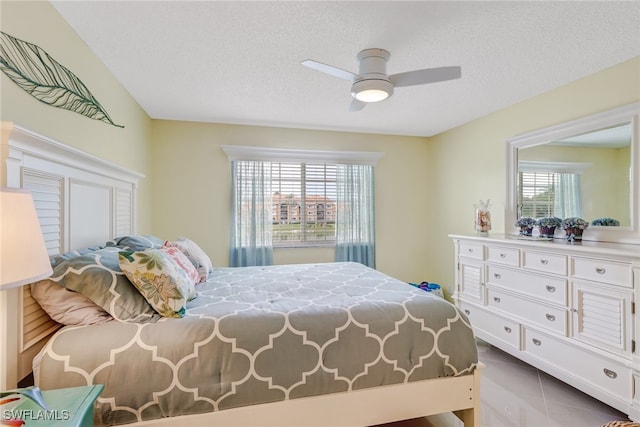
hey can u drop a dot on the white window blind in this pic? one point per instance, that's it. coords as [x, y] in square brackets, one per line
[544, 189]
[536, 194]
[549, 194]
[303, 203]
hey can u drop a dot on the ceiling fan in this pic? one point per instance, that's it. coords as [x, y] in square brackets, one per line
[372, 84]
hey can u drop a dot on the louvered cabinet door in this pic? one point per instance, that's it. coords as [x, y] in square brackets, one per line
[602, 316]
[471, 278]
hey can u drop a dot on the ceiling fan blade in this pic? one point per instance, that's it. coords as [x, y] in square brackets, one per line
[429, 75]
[330, 69]
[357, 105]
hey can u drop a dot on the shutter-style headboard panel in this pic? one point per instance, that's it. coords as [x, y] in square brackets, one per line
[47, 190]
[81, 201]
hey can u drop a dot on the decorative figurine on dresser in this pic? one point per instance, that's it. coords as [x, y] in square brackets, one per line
[554, 297]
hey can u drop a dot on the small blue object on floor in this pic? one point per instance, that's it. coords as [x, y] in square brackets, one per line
[434, 288]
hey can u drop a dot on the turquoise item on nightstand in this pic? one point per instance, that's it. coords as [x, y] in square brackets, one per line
[66, 407]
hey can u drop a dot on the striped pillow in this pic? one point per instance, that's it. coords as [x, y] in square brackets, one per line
[195, 254]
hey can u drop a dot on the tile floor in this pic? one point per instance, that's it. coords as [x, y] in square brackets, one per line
[515, 394]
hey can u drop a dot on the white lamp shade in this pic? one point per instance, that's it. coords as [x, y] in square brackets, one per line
[23, 254]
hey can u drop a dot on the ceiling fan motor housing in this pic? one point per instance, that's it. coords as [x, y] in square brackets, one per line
[373, 73]
[373, 63]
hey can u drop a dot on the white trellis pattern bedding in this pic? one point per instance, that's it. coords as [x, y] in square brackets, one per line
[264, 334]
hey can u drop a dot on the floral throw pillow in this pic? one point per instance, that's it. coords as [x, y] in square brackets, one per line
[196, 255]
[159, 279]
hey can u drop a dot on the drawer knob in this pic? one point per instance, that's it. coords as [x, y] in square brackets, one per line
[470, 250]
[601, 270]
[507, 329]
[550, 288]
[496, 299]
[544, 261]
[611, 374]
[497, 275]
[550, 317]
[503, 255]
[537, 342]
[467, 312]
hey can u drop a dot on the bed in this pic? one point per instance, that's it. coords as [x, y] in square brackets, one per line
[308, 344]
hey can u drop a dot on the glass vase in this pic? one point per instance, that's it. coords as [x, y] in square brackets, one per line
[483, 221]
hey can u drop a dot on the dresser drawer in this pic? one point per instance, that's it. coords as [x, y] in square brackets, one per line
[546, 316]
[548, 288]
[501, 255]
[614, 273]
[545, 262]
[472, 250]
[600, 372]
[501, 328]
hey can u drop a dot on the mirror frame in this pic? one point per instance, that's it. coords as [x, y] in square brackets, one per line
[627, 113]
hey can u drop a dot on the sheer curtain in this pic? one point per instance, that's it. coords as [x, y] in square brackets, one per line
[355, 223]
[567, 201]
[251, 228]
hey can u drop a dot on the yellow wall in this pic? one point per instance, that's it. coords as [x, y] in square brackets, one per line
[469, 161]
[39, 23]
[192, 184]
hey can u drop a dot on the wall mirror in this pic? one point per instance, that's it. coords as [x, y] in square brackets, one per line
[588, 168]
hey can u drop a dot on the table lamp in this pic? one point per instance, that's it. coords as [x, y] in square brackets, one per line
[23, 258]
[23, 254]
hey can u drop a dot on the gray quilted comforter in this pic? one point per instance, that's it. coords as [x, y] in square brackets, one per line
[264, 334]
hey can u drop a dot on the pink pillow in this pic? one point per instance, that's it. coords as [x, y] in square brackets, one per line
[183, 262]
[66, 306]
[195, 254]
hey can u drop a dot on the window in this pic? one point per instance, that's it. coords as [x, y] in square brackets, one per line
[536, 194]
[549, 193]
[303, 203]
[289, 197]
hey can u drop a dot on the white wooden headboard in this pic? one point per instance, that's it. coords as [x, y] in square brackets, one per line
[81, 201]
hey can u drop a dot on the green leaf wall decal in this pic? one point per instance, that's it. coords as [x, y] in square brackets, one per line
[41, 76]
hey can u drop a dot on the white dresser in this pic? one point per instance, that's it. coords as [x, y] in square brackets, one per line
[568, 309]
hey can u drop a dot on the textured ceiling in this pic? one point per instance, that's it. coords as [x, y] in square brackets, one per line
[239, 61]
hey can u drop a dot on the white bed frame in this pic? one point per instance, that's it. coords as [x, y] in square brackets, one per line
[96, 202]
[81, 201]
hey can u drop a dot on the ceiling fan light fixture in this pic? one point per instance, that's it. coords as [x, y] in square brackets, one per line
[373, 90]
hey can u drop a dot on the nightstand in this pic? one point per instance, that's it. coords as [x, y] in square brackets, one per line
[68, 407]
